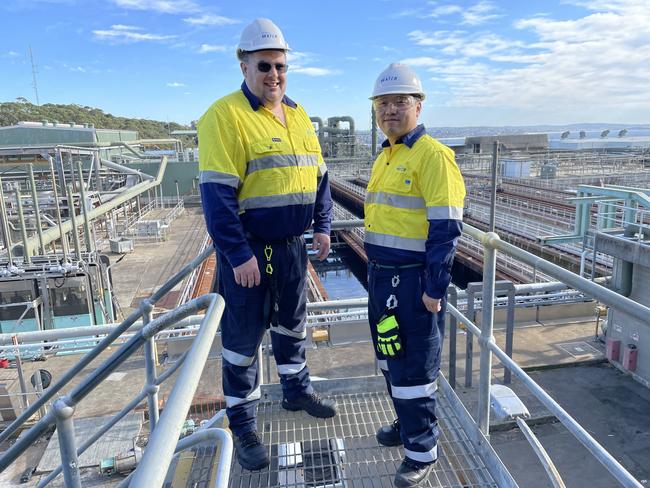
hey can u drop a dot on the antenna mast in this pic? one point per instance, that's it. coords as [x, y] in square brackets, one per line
[34, 84]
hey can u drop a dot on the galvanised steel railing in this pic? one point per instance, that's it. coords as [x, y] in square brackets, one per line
[491, 244]
[163, 441]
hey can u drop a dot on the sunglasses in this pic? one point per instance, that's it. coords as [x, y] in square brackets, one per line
[265, 67]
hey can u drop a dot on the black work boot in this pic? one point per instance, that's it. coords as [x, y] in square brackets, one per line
[251, 453]
[388, 435]
[412, 473]
[313, 404]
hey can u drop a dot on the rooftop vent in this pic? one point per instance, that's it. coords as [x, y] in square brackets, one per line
[604, 133]
[621, 133]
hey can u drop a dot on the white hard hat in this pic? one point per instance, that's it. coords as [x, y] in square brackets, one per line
[398, 78]
[262, 34]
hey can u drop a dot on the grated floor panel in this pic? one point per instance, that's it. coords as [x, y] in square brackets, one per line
[359, 461]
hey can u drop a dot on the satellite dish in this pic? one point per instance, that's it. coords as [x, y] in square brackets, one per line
[621, 133]
[565, 134]
[583, 134]
[604, 133]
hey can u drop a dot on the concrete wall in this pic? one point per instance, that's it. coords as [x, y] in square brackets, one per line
[627, 329]
[31, 136]
[183, 172]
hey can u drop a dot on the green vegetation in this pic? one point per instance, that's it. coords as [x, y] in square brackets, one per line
[22, 110]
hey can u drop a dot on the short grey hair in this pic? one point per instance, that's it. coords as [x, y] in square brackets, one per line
[242, 55]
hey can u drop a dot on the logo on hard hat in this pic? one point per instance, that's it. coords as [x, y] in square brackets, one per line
[269, 35]
[388, 78]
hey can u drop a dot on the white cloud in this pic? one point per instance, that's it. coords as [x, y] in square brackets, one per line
[594, 66]
[480, 13]
[210, 19]
[389, 49]
[13, 54]
[78, 69]
[315, 71]
[161, 6]
[352, 58]
[299, 57]
[128, 33]
[442, 10]
[175, 84]
[213, 48]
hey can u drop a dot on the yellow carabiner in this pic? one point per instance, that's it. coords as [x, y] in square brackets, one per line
[269, 269]
[268, 252]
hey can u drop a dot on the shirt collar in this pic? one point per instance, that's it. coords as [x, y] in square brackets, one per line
[408, 139]
[257, 103]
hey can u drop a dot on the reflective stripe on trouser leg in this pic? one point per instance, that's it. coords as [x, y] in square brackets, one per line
[288, 338]
[375, 310]
[242, 329]
[413, 377]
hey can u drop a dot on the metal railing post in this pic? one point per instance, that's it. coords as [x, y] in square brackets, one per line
[84, 208]
[23, 228]
[73, 219]
[489, 272]
[510, 331]
[452, 298]
[65, 430]
[37, 210]
[150, 366]
[469, 339]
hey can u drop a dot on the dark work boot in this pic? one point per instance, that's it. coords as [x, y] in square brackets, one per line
[313, 404]
[251, 453]
[412, 473]
[388, 435]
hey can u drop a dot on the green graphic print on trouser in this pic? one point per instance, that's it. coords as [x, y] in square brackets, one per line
[245, 320]
[411, 378]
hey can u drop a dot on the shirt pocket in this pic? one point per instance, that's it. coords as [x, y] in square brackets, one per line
[400, 182]
[270, 160]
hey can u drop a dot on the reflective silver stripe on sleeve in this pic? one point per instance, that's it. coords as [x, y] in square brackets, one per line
[288, 332]
[281, 161]
[235, 358]
[231, 401]
[397, 201]
[291, 368]
[422, 457]
[411, 392]
[383, 364]
[208, 176]
[454, 213]
[322, 169]
[278, 200]
[406, 243]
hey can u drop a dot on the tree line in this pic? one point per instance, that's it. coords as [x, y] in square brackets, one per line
[23, 110]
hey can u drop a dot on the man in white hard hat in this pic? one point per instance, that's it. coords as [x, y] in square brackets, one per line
[263, 184]
[413, 219]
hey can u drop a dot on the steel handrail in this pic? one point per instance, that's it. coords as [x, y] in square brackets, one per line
[105, 343]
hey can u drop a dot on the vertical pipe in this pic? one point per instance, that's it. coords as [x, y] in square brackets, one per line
[21, 377]
[5, 225]
[373, 130]
[150, 366]
[37, 210]
[469, 340]
[84, 207]
[64, 238]
[38, 386]
[493, 195]
[453, 330]
[65, 429]
[21, 220]
[178, 194]
[489, 271]
[73, 218]
[510, 331]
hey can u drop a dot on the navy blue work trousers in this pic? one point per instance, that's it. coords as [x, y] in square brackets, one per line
[245, 320]
[411, 380]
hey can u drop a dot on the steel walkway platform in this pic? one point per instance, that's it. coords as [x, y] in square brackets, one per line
[343, 452]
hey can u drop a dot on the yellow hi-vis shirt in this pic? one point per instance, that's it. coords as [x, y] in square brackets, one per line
[408, 187]
[269, 164]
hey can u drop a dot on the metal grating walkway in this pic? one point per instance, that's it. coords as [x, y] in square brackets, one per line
[357, 460]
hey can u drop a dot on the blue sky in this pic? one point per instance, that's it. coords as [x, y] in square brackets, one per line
[482, 62]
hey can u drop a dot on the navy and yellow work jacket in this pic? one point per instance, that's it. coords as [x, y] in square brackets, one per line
[258, 177]
[414, 207]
